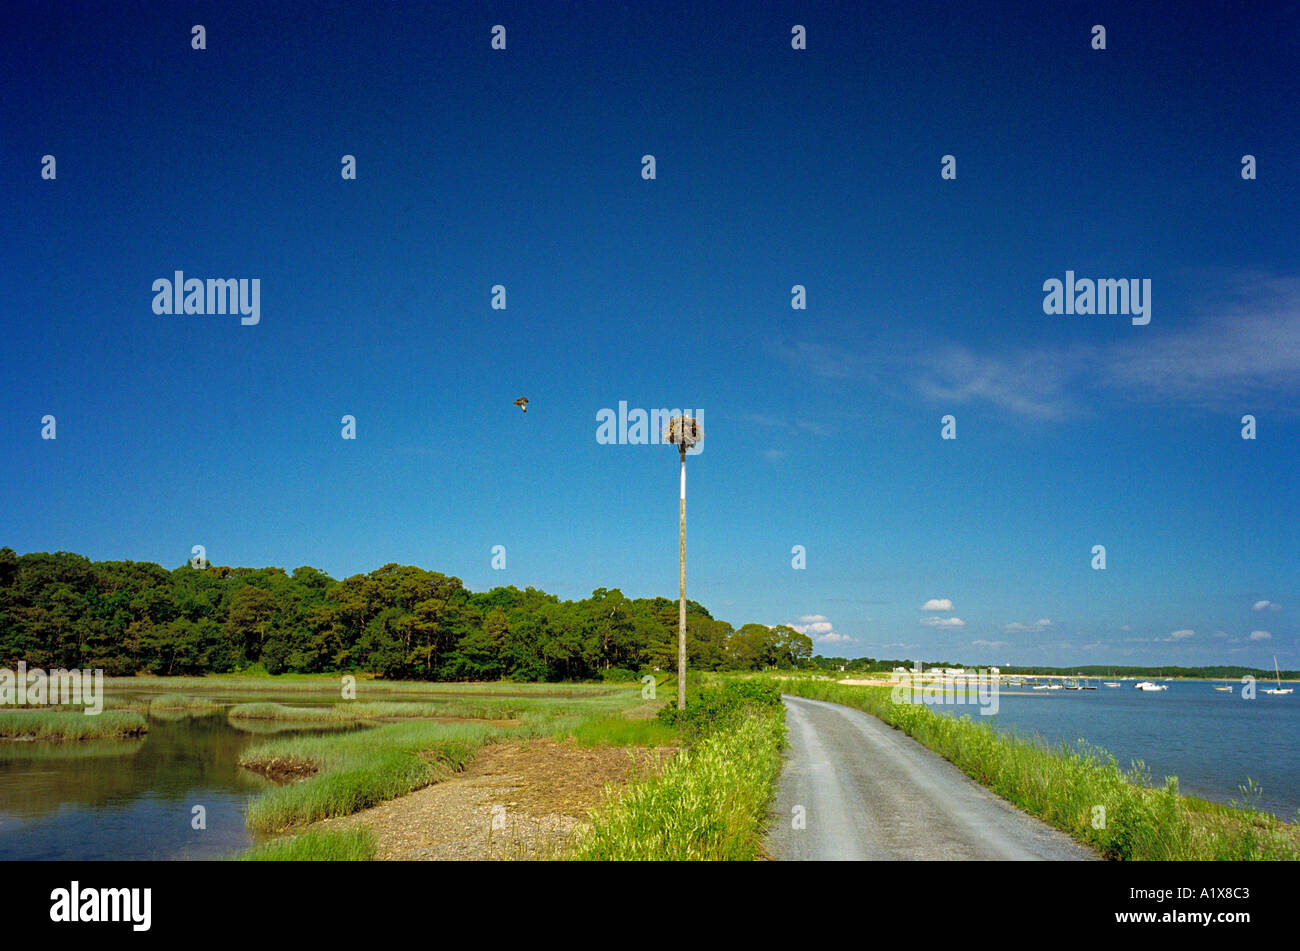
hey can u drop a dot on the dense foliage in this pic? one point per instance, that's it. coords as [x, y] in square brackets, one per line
[724, 707]
[399, 621]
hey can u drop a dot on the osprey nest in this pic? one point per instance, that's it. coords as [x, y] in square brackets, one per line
[683, 431]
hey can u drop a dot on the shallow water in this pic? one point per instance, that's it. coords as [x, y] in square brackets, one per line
[131, 799]
[1213, 742]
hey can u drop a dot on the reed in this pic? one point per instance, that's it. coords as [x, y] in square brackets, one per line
[69, 725]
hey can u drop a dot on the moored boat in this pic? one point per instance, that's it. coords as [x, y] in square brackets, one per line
[1279, 689]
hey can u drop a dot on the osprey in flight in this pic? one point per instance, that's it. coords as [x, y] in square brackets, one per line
[522, 403]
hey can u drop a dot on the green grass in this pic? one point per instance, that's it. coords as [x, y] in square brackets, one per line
[1064, 785]
[708, 803]
[67, 725]
[353, 711]
[317, 845]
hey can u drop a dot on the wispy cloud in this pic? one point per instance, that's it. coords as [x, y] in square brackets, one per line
[943, 622]
[1031, 384]
[1042, 624]
[1260, 636]
[1248, 345]
[1244, 342]
[1265, 606]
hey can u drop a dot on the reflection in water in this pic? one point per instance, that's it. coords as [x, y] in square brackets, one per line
[132, 799]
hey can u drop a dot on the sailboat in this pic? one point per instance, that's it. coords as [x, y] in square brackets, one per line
[1226, 688]
[1278, 674]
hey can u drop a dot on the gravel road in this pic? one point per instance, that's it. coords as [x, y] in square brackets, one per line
[869, 791]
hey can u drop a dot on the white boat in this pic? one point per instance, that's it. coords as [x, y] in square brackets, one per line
[1111, 683]
[1227, 688]
[1148, 685]
[1279, 689]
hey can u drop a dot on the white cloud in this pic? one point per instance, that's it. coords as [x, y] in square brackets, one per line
[988, 643]
[1042, 624]
[1265, 606]
[943, 622]
[1260, 636]
[814, 625]
[820, 629]
[832, 638]
[937, 604]
[1180, 635]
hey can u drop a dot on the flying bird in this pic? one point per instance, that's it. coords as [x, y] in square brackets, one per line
[522, 403]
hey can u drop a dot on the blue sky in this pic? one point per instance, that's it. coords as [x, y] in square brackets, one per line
[775, 167]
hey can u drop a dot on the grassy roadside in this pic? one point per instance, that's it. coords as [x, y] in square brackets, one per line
[1064, 787]
[710, 801]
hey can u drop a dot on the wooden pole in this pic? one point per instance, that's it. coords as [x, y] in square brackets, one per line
[681, 609]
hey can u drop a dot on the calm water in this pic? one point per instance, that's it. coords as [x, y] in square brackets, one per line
[129, 799]
[1211, 741]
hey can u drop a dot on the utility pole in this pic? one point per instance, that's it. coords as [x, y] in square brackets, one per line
[684, 432]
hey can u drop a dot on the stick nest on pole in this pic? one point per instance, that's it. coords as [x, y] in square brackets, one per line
[683, 432]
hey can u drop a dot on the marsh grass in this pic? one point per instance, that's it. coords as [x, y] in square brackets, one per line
[1064, 785]
[329, 686]
[351, 771]
[278, 711]
[317, 845]
[106, 702]
[399, 748]
[69, 725]
[356, 711]
[179, 706]
[358, 769]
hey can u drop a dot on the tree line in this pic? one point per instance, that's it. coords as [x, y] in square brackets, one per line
[62, 610]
